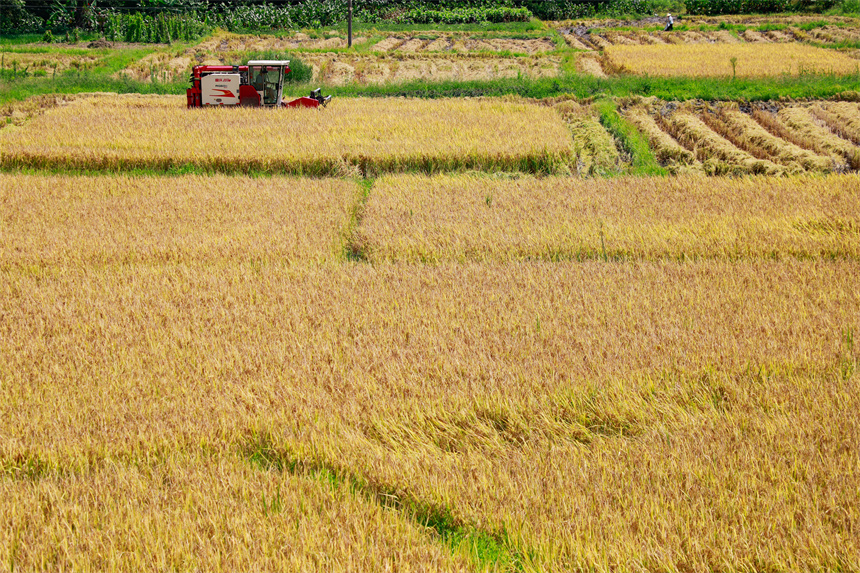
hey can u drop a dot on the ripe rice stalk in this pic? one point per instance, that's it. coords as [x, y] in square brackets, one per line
[772, 124]
[585, 414]
[842, 117]
[75, 220]
[665, 147]
[412, 218]
[714, 60]
[200, 511]
[716, 153]
[374, 135]
[590, 63]
[816, 135]
[748, 135]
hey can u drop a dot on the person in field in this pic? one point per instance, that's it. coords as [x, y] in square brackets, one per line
[669, 24]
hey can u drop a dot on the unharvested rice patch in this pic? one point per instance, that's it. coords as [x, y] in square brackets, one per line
[412, 45]
[752, 60]
[135, 515]
[160, 133]
[443, 218]
[583, 409]
[590, 63]
[79, 221]
[388, 44]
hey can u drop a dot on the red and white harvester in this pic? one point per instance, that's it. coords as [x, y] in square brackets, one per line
[259, 84]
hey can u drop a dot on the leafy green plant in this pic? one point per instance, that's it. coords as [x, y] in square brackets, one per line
[718, 7]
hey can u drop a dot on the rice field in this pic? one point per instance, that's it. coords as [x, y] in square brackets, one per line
[81, 221]
[582, 415]
[116, 132]
[413, 218]
[429, 335]
[729, 60]
[383, 58]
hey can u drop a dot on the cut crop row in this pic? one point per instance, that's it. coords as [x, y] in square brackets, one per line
[765, 138]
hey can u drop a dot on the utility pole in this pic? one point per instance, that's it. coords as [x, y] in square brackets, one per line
[349, 26]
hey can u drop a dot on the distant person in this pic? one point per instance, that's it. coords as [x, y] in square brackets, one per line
[669, 24]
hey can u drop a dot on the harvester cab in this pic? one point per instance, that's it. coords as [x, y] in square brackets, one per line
[259, 84]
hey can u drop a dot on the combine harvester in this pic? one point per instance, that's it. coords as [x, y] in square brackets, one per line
[259, 84]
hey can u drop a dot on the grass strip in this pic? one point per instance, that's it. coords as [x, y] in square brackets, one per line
[487, 551]
[642, 160]
[583, 86]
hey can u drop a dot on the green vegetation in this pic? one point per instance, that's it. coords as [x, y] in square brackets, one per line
[635, 144]
[584, 86]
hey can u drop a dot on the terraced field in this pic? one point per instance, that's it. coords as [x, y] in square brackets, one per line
[179, 371]
[127, 132]
[403, 334]
[491, 135]
[381, 59]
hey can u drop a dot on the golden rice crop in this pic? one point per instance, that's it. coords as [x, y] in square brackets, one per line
[812, 133]
[107, 220]
[717, 154]
[842, 117]
[443, 218]
[664, 145]
[707, 60]
[749, 135]
[201, 512]
[596, 152]
[375, 135]
[590, 416]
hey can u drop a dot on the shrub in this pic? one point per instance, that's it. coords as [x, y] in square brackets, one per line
[718, 7]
